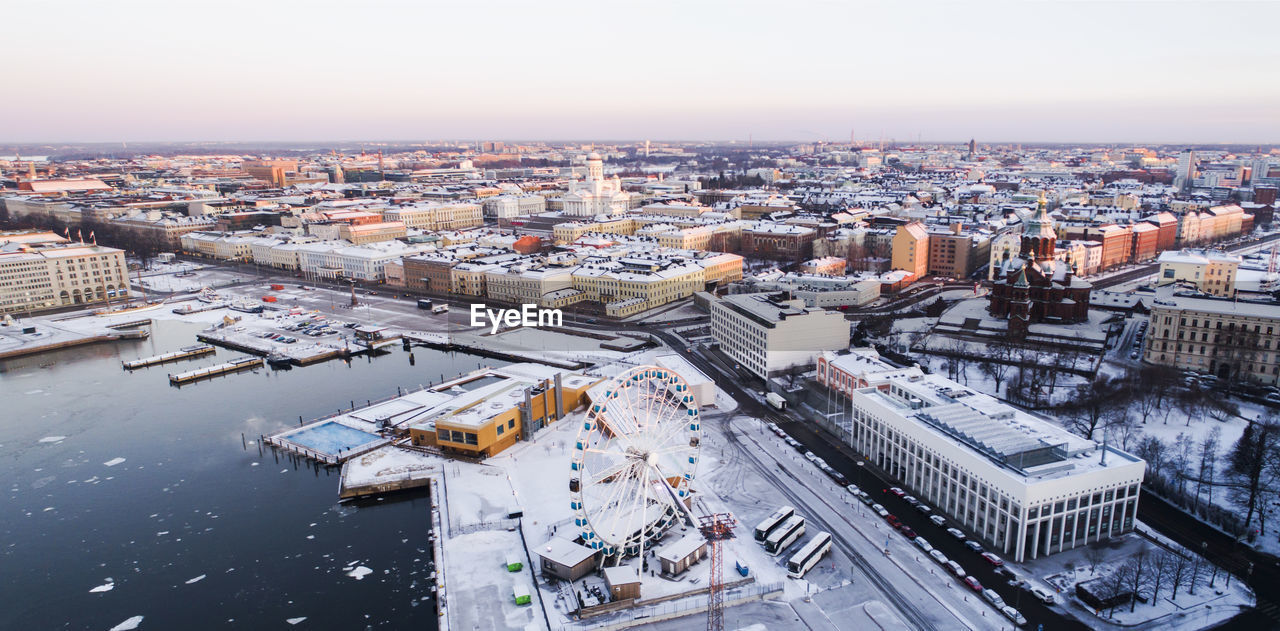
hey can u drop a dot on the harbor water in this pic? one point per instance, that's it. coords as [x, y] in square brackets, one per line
[128, 497]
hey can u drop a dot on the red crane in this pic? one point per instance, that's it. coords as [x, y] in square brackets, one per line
[716, 528]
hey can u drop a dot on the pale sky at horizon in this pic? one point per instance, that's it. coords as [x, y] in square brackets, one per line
[1193, 72]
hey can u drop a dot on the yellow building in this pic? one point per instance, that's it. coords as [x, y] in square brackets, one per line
[436, 217]
[361, 234]
[654, 282]
[911, 249]
[40, 270]
[496, 408]
[1211, 272]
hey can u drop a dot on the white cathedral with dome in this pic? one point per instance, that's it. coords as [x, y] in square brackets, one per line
[596, 195]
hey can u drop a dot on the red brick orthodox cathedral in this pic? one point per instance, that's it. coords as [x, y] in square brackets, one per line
[1034, 286]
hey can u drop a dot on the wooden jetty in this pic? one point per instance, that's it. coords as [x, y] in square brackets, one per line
[235, 365]
[197, 350]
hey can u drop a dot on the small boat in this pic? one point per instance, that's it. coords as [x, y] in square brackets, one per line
[276, 359]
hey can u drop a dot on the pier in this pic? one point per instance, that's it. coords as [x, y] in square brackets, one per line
[442, 341]
[235, 365]
[198, 350]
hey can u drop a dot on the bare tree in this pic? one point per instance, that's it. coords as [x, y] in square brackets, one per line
[1160, 566]
[997, 363]
[1179, 573]
[1121, 427]
[1154, 452]
[1253, 463]
[1116, 584]
[1208, 458]
[1182, 459]
[1094, 554]
[1094, 404]
[1139, 573]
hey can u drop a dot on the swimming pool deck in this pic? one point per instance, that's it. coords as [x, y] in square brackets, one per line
[328, 440]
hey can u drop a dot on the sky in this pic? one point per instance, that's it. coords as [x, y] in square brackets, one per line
[1084, 71]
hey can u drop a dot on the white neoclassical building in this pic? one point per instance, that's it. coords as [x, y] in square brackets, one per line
[595, 195]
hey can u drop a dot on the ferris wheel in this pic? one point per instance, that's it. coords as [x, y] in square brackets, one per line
[634, 460]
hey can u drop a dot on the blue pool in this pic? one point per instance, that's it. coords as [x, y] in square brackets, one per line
[331, 437]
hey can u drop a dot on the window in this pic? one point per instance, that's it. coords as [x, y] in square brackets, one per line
[471, 439]
[501, 429]
[511, 424]
[442, 434]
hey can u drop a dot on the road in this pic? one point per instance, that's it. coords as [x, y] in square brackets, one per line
[872, 482]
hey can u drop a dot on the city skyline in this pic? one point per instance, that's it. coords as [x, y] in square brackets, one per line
[1042, 72]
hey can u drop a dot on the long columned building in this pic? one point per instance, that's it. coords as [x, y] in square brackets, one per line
[1021, 484]
[41, 270]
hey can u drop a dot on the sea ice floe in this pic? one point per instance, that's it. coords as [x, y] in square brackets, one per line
[128, 625]
[360, 572]
[196, 579]
[113, 462]
[295, 620]
[52, 439]
[105, 587]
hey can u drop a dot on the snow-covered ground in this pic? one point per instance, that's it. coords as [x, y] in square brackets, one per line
[532, 476]
[1062, 571]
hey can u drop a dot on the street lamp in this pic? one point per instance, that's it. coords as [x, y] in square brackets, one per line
[1204, 550]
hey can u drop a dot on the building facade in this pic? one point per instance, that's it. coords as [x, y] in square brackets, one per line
[1228, 338]
[767, 334]
[1024, 486]
[49, 272]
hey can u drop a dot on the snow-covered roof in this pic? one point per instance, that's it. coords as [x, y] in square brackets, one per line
[564, 552]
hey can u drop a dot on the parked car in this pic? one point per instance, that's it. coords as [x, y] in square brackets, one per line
[893, 521]
[955, 569]
[1013, 615]
[993, 559]
[992, 597]
[897, 491]
[923, 544]
[880, 510]
[956, 532]
[923, 508]
[910, 500]
[938, 556]
[937, 520]
[973, 583]
[973, 545]
[1043, 595]
[908, 532]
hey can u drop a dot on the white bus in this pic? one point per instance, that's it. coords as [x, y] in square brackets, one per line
[785, 535]
[771, 523]
[809, 555]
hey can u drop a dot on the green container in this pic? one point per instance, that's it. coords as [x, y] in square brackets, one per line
[514, 564]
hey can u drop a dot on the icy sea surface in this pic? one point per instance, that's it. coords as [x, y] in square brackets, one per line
[129, 503]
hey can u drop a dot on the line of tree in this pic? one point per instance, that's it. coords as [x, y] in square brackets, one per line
[1150, 572]
[141, 244]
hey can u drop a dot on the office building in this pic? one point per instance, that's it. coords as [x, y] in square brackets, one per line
[766, 333]
[1026, 487]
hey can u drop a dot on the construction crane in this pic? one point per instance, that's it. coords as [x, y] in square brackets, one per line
[716, 528]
